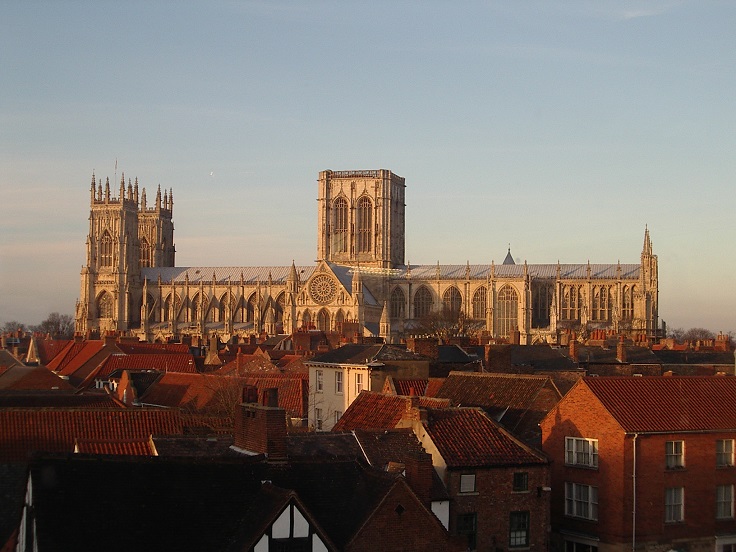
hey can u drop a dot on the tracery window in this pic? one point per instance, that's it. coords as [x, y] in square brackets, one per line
[145, 254]
[571, 303]
[627, 307]
[541, 302]
[306, 320]
[480, 302]
[106, 249]
[104, 306]
[280, 302]
[397, 303]
[339, 320]
[452, 300]
[196, 308]
[422, 302]
[251, 309]
[365, 224]
[508, 311]
[340, 225]
[601, 303]
[323, 321]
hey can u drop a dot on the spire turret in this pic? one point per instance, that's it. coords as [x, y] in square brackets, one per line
[158, 198]
[92, 189]
[122, 188]
[107, 190]
[143, 200]
[647, 249]
[135, 191]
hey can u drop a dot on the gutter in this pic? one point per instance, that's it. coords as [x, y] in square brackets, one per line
[633, 492]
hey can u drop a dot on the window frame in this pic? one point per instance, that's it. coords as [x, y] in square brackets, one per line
[359, 383]
[467, 483]
[579, 506]
[318, 421]
[722, 453]
[519, 524]
[575, 454]
[520, 488]
[467, 524]
[674, 504]
[338, 382]
[674, 454]
[724, 501]
[319, 383]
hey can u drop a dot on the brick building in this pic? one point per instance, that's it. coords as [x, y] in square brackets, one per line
[643, 463]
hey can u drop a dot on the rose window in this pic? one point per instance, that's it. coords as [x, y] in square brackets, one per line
[322, 288]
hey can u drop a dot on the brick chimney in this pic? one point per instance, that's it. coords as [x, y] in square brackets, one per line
[419, 472]
[621, 350]
[261, 428]
[574, 348]
[426, 346]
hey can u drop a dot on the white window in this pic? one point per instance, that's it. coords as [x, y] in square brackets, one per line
[675, 454]
[674, 504]
[320, 384]
[724, 452]
[318, 419]
[724, 501]
[338, 415]
[581, 501]
[358, 384]
[467, 483]
[581, 452]
[338, 382]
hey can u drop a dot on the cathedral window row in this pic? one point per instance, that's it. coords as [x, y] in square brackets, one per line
[106, 250]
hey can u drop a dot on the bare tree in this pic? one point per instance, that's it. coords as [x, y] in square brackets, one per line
[447, 323]
[58, 326]
[13, 326]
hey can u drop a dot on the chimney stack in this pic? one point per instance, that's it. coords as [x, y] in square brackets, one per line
[418, 472]
[621, 350]
[574, 348]
[261, 429]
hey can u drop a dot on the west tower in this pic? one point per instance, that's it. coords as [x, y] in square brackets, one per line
[361, 218]
[125, 235]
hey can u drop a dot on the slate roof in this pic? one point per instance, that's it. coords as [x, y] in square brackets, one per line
[453, 354]
[668, 356]
[601, 355]
[371, 410]
[537, 357]
[381, 446]
[468, 438]
[24, 431]
[536, 271]
[667, 404]
[7, 360]
[363, 353]
[32, 377]
[323, 446]
[57, 399]
[225, 274]
[192, 446]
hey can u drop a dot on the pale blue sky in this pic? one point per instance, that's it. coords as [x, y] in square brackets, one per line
[562, 128]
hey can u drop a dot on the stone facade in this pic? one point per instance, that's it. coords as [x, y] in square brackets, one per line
[130, 284]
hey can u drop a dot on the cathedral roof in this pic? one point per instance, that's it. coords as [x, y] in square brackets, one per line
[344, 273]
[509, 260]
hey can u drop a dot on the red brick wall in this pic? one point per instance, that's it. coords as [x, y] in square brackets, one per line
[580, 414]
[495, 499]
[401, 523]
[261, 429]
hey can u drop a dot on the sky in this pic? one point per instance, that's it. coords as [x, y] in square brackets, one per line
[560, 129]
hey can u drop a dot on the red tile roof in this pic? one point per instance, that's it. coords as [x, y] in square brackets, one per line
[433, 386]
[372, 410]
[467, 437]
[142, 347]
[32, 378]
[166, 362]
[410, 386]
[47, 349]
[23, 431]
[665, 404]
[127, 447]
[74, 355]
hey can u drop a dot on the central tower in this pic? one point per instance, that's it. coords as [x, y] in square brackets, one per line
[361, 218]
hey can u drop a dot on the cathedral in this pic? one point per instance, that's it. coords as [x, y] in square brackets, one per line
[130, 283]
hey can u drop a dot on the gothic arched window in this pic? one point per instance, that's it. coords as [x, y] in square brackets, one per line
[541, 303]
[106, 249]
[104, 306]
[340, 225]
[323, 320]
[397, 303]
[422, 302]
[365, 224]
[145, 254]
[571, 303]
[508, 311]
[279, 310]
[452, 300]
[480, 302]
[306, 320]
[339, 320]
[627, 307]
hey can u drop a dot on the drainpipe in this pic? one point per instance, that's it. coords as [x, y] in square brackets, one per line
[633, 489]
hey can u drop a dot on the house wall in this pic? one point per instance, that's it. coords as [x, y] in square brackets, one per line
[580, 414]
[493, 501]
[329, 400]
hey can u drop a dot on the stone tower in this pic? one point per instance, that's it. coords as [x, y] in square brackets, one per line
[361, 218]
[125, 235]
